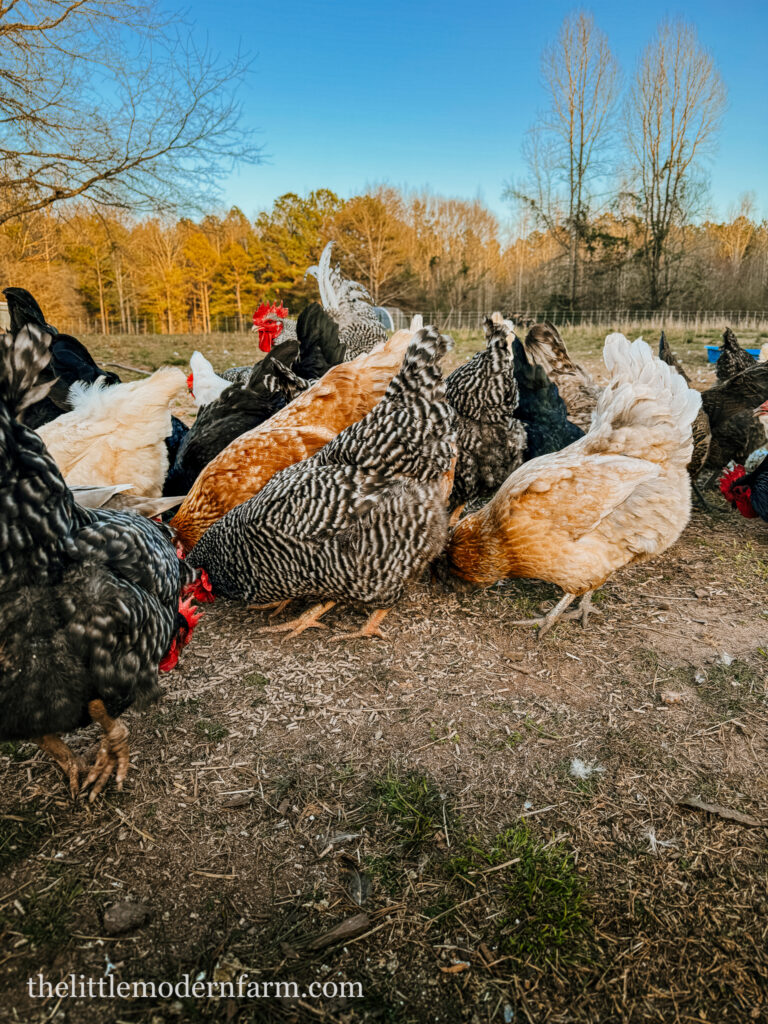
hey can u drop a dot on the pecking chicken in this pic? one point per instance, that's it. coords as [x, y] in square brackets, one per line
[116, 434]
[91, 603]
[618, 495]
[358, 520]
[483, 394]
[733, 358]
[240, 408]
[544, 346]
[747, 491]
[344, 395]
[349, 305]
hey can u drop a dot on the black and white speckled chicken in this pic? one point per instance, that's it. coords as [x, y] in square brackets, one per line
[350, 306]
[90, 603]
[358, 520]
[733, 358]
[483, 394]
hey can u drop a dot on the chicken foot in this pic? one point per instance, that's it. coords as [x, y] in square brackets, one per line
[274, 606]
[113, 751]
[370, 629]
[311, 617]
[69, 763]
[546, 622]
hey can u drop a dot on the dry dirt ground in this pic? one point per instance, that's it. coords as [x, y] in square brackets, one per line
[500, 822]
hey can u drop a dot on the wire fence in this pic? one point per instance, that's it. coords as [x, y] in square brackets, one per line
[619, 319]
[451, 320]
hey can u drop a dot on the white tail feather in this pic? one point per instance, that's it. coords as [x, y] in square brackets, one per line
[206, 383]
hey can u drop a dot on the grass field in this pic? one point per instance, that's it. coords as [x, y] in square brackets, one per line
[504, 825]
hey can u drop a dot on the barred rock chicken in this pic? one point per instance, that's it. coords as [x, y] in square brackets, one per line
[733, 358]
[540, 409]
[116, 434]
[618, 495]
[483, 394]
[546, 348]
[343, 396]
[748, 492]
[90, 604]
[358, 520]
[349, 305]
[240, 408]
[70, 362]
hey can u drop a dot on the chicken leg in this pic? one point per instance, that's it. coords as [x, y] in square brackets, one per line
[113, 751]
[546, 622]
[71, 765]
[370, 629]
[307, 620]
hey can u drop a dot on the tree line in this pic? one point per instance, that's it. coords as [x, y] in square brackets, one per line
[106, 175]
[415, 251]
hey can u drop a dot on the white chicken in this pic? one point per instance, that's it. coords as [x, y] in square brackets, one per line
[116, 435]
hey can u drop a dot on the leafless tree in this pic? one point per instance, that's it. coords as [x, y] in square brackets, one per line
[674, 108]
[102, 99]
[565, 151]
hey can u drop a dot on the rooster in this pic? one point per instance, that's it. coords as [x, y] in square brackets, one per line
[91, 603]
[116, 434]
[483, 394]
[544, 346]
[344, 395]
[240, 408]
[747, 491]
[618, 495]
[356, 521]
[270, 323]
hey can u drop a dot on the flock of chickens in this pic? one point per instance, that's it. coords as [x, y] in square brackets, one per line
[337, 468]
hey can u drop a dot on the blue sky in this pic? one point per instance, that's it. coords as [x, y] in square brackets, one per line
[347, 94]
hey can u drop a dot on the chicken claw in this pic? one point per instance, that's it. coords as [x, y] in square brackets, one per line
[64, 758]
[308, 619]
[275, 606]
[113, 751]
[370, 629]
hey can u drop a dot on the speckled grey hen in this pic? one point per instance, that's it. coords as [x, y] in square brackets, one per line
[358, 520]
[90, 598]
[349, 305]
[483, 393]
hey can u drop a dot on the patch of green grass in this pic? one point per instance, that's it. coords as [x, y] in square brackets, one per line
[21, 832]
[412, 806]
[15, 751]
[47, 919]
[256, 679]
[544, 908]
[213, 732]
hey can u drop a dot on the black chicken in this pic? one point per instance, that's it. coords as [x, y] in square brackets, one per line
[241, 408]
[483, 394]
[70, 359]
[70, 363]
[90, 606]
[356, 521]
[540, 408]
[733, 358]
[748, 492]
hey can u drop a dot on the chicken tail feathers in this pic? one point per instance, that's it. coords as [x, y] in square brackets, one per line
[645, 399]
[23, 357]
